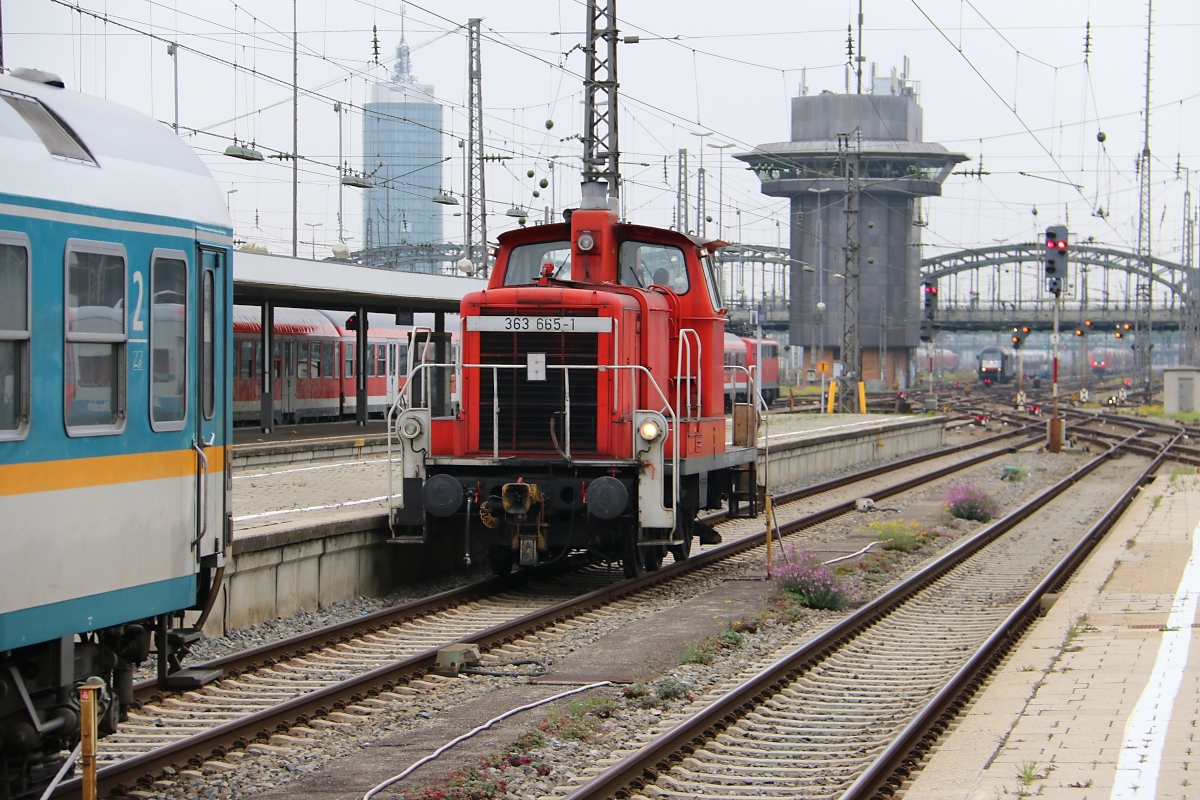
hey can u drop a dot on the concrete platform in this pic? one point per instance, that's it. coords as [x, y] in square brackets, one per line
[801, 446]
[310, 442]
[310, 529]
[1101, 698]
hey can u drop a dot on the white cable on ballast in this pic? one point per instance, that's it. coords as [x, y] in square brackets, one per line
[481, 728]
[852, 555]
[62, 771]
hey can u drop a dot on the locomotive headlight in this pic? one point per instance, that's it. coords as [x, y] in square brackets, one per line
[411, 428]
[649, 430]
[586, 241]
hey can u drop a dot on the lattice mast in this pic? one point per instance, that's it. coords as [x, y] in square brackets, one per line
[601, 151]
[849, 154]
[681, 193]
[1143, 292]
[476, 227]
[1191, 296]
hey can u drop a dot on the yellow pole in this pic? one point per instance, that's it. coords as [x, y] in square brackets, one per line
[862, 397]
[88, 696]
[832, 397]
[769, 537]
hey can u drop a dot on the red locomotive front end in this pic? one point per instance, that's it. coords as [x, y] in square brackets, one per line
[591, 414]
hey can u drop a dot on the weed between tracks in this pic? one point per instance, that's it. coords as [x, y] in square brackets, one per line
[967, 501]
[488, 776]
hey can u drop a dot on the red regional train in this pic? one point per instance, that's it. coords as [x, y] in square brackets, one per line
[313, 364]
[1111, 361]
[740, 352]
[592, 400]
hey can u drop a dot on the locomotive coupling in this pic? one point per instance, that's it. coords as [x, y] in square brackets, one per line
[520, 497]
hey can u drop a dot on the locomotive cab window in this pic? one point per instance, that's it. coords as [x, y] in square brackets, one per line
[94, 352]
[168, 340]
[645, 264]
[525, 262]
[14, 336]
[712, 279]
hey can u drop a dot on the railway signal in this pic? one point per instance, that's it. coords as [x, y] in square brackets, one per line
[928, 327]
[1056, 258]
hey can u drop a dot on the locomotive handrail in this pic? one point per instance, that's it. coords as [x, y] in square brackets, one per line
[404, 399]
[685, 344]
[414, 345]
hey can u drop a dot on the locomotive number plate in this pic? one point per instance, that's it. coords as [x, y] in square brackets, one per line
[542, 324]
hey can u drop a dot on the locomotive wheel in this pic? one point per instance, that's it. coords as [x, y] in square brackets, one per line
[652, 557]
[631, 559]
[501, 560]
[683, 551]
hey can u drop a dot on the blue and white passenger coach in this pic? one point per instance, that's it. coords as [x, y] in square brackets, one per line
[115, 398]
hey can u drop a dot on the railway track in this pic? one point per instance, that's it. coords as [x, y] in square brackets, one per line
[326, 677]
[850, 713]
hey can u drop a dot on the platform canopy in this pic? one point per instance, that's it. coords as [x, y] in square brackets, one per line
[303, 283]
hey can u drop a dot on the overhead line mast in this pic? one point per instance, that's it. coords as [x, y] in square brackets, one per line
[601, 150]
[1144, 293]
[476, 244]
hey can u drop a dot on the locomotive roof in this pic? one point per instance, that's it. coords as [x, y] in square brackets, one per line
[561, 230]
[104, 155]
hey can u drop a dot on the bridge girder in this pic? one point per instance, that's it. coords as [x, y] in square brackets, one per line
[1093, 255]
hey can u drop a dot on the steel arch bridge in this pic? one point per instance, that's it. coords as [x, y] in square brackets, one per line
[1176, 278]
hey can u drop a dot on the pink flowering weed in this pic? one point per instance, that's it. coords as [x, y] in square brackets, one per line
[967, 501]
[812, 583]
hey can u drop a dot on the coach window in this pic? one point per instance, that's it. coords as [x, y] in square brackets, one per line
[168, 340]
[349, 373]
[327, 360]
[14, 336]
[645, 264]
[94, 352]
[208, 339]
[246, 360]
[302, 359]
[370, 365]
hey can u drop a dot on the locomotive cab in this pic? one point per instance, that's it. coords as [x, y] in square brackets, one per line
[591, 412]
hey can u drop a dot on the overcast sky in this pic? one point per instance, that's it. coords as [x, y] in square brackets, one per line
[1005, 80]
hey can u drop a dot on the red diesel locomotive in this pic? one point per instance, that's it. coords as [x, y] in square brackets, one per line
[592, 402]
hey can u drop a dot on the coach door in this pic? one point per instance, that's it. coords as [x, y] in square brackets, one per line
[393, 372]
[214, 391]
[287, 403]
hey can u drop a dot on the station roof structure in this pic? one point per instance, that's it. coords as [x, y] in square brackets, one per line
[337, 285]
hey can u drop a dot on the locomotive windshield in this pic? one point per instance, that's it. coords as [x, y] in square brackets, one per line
[525, 261]
[643, 264]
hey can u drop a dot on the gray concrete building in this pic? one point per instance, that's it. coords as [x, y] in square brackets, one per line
[896, 169]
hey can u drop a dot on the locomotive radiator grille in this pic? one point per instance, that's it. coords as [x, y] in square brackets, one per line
[527, 407]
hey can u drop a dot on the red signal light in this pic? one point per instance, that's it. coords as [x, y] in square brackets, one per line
[1049, 244]
[1062, 244]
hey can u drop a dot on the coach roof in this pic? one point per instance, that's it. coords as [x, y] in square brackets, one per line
[63, 146]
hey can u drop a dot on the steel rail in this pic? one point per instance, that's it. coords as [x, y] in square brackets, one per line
[634, 772]
[888, 772]
[216, 742]
[304, 643]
